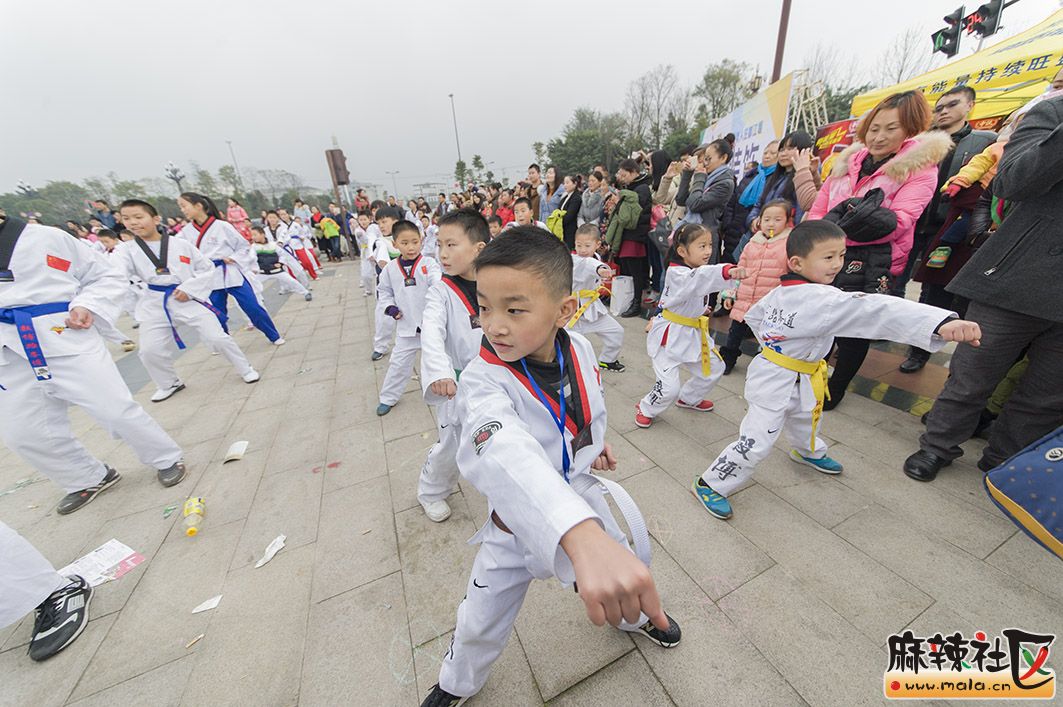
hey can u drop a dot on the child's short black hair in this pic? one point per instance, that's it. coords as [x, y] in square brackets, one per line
[402, 226]
[274, 212]
[106, 233]
[807, 234]
[522, 200]
[497, 220]
[259, 229]
[470, 221]
[139, 203]
[534, 249]
[589, 229]
[392, 212]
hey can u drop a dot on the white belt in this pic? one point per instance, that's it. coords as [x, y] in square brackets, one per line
[632, 516]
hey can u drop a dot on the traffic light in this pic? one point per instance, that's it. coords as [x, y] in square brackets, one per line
[337, 166]
[986, 19]
[947, 40]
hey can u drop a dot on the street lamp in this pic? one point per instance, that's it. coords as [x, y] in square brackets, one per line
[173, 172]
[394, 186]
[454, 115]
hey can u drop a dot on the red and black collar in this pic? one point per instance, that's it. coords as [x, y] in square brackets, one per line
[792, 278]
[465, 290]
[203, 229]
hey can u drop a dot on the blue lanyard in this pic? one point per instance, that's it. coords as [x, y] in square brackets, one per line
[559, 420]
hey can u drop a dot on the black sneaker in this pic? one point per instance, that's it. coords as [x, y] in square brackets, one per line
[665, 639]
[73, 501]
[613, 366]
[60, 619]
[172, 475]
[376, 356]
[439, 697]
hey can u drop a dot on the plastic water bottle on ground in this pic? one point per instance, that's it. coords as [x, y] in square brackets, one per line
[194, 510]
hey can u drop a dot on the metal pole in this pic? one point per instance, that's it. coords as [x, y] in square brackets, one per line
[454, 115]
[394, 185]
[232, 153]
[780, 45]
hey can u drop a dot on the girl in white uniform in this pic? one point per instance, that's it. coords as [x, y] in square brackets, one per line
[679, 337]
[796, 324]
[450, 339]
[592, 317]
[366, 235]
[384, 252]
[52, 287]
[179, 280]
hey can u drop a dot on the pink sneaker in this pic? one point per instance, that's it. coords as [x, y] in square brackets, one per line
[703, 406]
[640, 419]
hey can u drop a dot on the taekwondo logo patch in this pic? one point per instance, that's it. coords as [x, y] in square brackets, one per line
[58, 263]
[480, 436]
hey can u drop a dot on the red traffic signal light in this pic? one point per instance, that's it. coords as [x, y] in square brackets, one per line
[986, 19]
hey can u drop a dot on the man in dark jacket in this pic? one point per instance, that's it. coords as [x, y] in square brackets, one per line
[632, 255]
[950, 115]
[1013, 284]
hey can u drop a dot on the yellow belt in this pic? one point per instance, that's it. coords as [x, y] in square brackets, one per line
[702, 324]
[591, 296]
[817, 372]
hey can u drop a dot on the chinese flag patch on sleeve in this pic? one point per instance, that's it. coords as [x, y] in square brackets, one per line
[186, 260]
[58, 263]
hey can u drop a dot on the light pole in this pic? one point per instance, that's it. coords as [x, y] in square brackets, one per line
[394, 186]
[454, 115]
[232, 153]
[173, 172]
[780, 44]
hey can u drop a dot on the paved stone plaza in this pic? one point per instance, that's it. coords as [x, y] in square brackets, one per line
[789, 603]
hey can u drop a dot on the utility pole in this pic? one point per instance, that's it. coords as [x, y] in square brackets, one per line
[780, 44]
[454, 115]
[393, 184]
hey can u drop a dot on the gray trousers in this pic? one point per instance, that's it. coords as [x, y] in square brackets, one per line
[1032, 411]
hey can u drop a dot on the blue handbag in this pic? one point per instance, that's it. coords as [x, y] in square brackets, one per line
[1028, 488]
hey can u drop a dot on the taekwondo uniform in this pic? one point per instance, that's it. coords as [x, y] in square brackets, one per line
[293, 239]
[404, 287]
[796, 324]
[592, 317]
[218, 240]
[450, 339]
[680, 337]
[177, 265]
[45, 366]
[430, 246]
[368, 267]
[538, 486]
[26, 577]
[383, 325]
[276, 263]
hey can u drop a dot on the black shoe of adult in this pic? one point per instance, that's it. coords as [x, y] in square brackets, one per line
[986, 466]
[632, 311]
[73, 501]
[60, 619]
[721, 312]
[834, 400]
[924, 466]
[913, 364]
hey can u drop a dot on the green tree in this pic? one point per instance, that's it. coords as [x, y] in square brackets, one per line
[461, 174]
[477, 170]
[587, 139]
[99, 188]
[539, 150]
[227, 176]
[204, 180]
[725, 86]
[56, 202]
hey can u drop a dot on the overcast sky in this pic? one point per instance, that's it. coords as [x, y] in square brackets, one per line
[94, 87]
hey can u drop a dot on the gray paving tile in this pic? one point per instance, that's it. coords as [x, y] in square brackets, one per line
[162, 686]
[285, 504]
[1028, 562]
[405, 457]
[359, 452]
[511, 681]
[627, 681]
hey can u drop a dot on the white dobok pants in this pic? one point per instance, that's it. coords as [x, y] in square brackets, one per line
[26, 577]
[666, 390]
[610, 331]
[400, 368]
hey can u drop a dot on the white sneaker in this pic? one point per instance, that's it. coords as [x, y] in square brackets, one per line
[437, 511]
[279, 342]
[162, 394]
[251, 376]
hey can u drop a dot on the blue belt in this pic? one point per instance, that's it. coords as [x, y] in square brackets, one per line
[167, 291]
[224, 268]
[22, 317]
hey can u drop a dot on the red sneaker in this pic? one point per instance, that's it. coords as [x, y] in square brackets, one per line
[640, 419]
[703, 406]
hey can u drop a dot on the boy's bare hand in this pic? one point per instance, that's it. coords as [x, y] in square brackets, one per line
[605, 461]
[614, 584]
[961, 330]
[446, 387]
[180, 296]
[79, 318]
[398, 316]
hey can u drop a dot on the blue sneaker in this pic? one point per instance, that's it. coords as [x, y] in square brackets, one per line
[714, 503]
[824, 464]
[383, 409]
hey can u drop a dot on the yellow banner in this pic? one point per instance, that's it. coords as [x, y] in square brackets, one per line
[1005, 76]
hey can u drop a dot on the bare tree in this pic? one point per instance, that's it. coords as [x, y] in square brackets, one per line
[907, 56]
[652, 99]
[725, 86]
[637, 109]
[825, 63]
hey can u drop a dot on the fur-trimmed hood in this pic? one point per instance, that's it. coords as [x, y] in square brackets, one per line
[916, 153]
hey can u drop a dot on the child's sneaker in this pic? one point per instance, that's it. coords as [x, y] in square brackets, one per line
[437, 511]
[665, 639]
[640, 419]
[714, 503]
[703, 406]
[824, 464]
[279, 342]
[376, 356]
[613, 366]
[383, 409]
[60, 618]
[439, 697]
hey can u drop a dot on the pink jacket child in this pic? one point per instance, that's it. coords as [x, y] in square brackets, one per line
[764, 259]
[908, 181]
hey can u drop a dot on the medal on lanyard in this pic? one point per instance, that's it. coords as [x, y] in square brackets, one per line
[559, 420]
[409, 279]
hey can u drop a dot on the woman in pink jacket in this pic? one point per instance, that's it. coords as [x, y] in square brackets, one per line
[895, 154]
[236, 215]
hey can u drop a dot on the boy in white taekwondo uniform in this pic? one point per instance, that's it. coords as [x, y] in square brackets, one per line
[28, 581]
[404, 283]
[108, 239]
[233, 259]
[384, 253]
[592, 317]
[51, 290]
[796, 324]
[365, 235]
[276, 263]
[450, 339]
[179, 280]
[284, 235]
[534, 422]
[298, 235]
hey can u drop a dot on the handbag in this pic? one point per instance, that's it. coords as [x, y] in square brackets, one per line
[1027, 489]
[864, 218]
